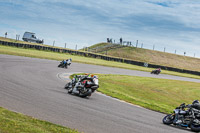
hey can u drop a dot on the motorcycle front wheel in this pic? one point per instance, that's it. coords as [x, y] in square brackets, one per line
[66, 66]
[85, 94]
[70, 90]
[168, 119]
[69, 87]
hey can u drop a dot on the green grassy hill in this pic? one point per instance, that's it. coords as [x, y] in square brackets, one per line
[149, 56]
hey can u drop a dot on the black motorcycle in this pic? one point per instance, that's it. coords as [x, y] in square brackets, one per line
[184, 116]
[62, 64]
[155, 72]
[82, 85]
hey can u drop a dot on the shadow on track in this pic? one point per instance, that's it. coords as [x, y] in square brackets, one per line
[181, 128]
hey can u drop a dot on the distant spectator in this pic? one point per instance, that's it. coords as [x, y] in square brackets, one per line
[108, 40]
[120, 41]
[6, 34]
[159, 69]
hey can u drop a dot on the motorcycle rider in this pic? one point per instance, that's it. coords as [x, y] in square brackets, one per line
[158, 69]
[68, 61]
[64, 62]
[195, 104]
[79, 85]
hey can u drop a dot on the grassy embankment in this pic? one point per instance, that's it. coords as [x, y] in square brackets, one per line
[11, 122]
[60, 56]
[156, 94]
[151, 56]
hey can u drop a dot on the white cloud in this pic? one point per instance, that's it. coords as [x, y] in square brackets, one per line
[170, 23]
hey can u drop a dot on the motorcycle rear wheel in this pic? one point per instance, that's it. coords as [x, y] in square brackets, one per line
[195, 128]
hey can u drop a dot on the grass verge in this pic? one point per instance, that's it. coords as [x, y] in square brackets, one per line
[156, 94]
[80, 59]
[11, 122]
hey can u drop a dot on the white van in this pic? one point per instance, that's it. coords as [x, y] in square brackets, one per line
[30, 37]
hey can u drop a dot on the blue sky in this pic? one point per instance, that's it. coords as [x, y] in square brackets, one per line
[174, 24]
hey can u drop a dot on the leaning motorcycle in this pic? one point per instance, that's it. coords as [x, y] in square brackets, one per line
[184, 116]
[62, 64]
[155, 72]
[82, 85]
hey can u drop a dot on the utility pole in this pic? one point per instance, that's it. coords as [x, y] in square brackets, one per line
[136, 43]
[53, 43]
[65, 45]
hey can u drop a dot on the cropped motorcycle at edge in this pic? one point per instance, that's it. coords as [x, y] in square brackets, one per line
[83, 85]
[184, 116]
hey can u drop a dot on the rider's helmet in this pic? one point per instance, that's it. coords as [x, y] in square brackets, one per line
[95, 77]
[195, 101]
[89, 75]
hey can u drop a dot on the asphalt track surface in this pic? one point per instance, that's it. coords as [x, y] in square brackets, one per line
[35, 87]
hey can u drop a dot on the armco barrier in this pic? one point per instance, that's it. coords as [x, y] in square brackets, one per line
[94, 55]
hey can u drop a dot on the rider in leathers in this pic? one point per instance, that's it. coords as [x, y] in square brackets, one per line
[195, 104]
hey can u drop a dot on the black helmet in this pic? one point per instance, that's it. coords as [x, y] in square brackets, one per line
[195, 101]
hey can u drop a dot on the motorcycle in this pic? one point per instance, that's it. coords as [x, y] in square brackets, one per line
[184, 116]
[63, 65]
[155, 72]
[82, 85]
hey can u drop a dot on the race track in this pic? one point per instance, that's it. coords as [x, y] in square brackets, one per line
[34, 87]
